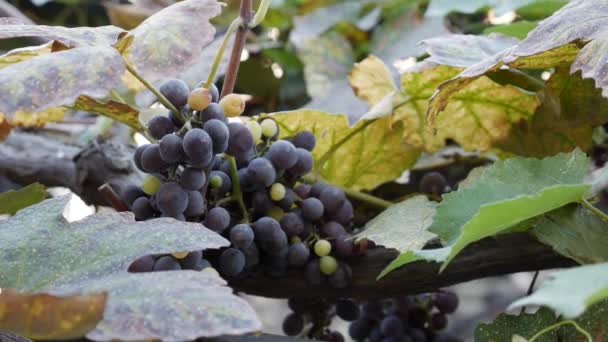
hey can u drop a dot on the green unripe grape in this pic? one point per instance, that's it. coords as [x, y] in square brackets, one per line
[255, 129]
[215, 181]
[269, 128]
[233, 105]
[322, 248]
[328, 264]
[277, 192]
[276, 213]
[180, 255]
[295, 239]
[199, 99]
[150, 185]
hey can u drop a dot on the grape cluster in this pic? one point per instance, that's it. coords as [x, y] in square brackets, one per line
[239, 180]
[409, 318]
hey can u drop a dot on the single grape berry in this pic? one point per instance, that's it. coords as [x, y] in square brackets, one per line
[233, 105]
[217, 219]
[218, 131]
[261, 171]
[304, 163]
[305, 140]
[269, 128]
[179, 255]
[130, 193]
[142, 209]
[322, 248]
[360, 329]
[199, 99]
[312, 209]
[317, 188]
[193, 261]
[342, 277]
[328, 264]
[143, 264]
[438, 321]
[172, 199]
[151, 160]
[241, 236]
[159, 126]
[240, 141]
[347, 309]
[277, 192]
[176, 91]
[166, 263]
[293, 324]
[213, 111]
[171, 149]
[433, 183]
[192, 179]
[446, 302]
[197, 204]
[292, 224]
[333, 229]
[282, 154]
[298, 255]
[345, 246]
[198, 146]
[215, 93]
[391, 326]
[332, 199]
[255, 129]
[303, 191]
[231, 262]
[221, 182]
[137, 156]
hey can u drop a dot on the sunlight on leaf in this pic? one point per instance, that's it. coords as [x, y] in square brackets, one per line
[371, 80]
[14, 200]
[526, 325]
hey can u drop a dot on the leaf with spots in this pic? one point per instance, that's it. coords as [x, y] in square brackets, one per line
[120, 112]
[57, 79]
[168, 42]
[14, 200]
[359, 157]
[45, 317]
[402, 226]
[526, 325]
[25, 53]
[92, 256]
[68, 36]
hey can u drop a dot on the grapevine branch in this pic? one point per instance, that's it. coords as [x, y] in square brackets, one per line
[246, 15]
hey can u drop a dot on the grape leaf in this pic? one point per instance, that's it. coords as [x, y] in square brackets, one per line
[407, 220]
[359, 157]
[33, 85]
[501, 196]
[459, 50]
[594, 320]
[68, 36]
[526, 325]
[168, 43]
[92, 256]
[439, 8]
[574, 232]
[519, 29]
[128, 16]
[584, 285]
[14, 200]
[121, 112]
[42, 316]
[371, 80]
[540, 9]
[25, 53]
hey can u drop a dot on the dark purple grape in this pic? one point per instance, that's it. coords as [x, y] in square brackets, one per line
[159, 126]
[171, 149]
[438, 321]
[391, 326]
[192, 179]
[197, 205]
[333, 229]
[433, 183]
[298, 254]
[305, 140]
[213, 111]
[332, 199]
[217, 219]
[252, 255]
[142, 209]
[143, 264]
[303, 191]
[193, 261]
[347, 309]
[261, 203]
[176, 91]
[274, 243]
[345, 246]
[130, 193]
[261, 171]
[198, 146]
[287, 202]
[345, 214]
[342, 277]
[312, 209]
[176, 121]
[282, 154]
[372, 309]
[151, 161]
[137, 156]
[231, 262]
[215, 93]
[293, 324]
[304, 163]
[218, 131]
[166, 263]
[360, 329]
[171, 199]
[317, 188]
[332, 336]
[241, 236]
[313, 273]
[417, 317]
[292, 224]
[375, 335]
[240, 141]
[446, 302]
[220, 182]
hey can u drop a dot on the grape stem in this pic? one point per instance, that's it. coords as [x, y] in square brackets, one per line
[260, 14]
[559, 324]
[161, 98]
[112, 197]
[220, 52]
[358, 195]
[339, 144]
[236, 188]
[595, 210]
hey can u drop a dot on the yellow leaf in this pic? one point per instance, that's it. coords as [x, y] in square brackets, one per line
[27, 119]
[371, 80]
[121, 112]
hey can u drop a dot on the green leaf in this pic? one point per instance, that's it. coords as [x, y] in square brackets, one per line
[120, 112]
[584, 286]
[540, 9]
[92, 255]
[12, 201]
[72, 37]
[519, 29]
[439, 8]
[168, 43]
[594, 321]
[402, 226]
[574, 232]
[526, 325]
[359, 157]
[503, 195]
[32, 85]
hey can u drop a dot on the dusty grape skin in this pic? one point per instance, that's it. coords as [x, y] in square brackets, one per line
[171, 149]
[312, 209]
[152, 161]
[231, 262]
[298, 255]
[143, 264]
[213, 111]
[142, 209]
[240, 141]
[217, 219]
[130, 193]
[192, 178]
[166, 263]
[305, 140]
[176, 91]
[198, 146]
[197, 205]
[242, 236]
[218, 131]
[137, 156]
[172, 199]
[262, 171]
[282, 154]
[292, 224]
[159, 126]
